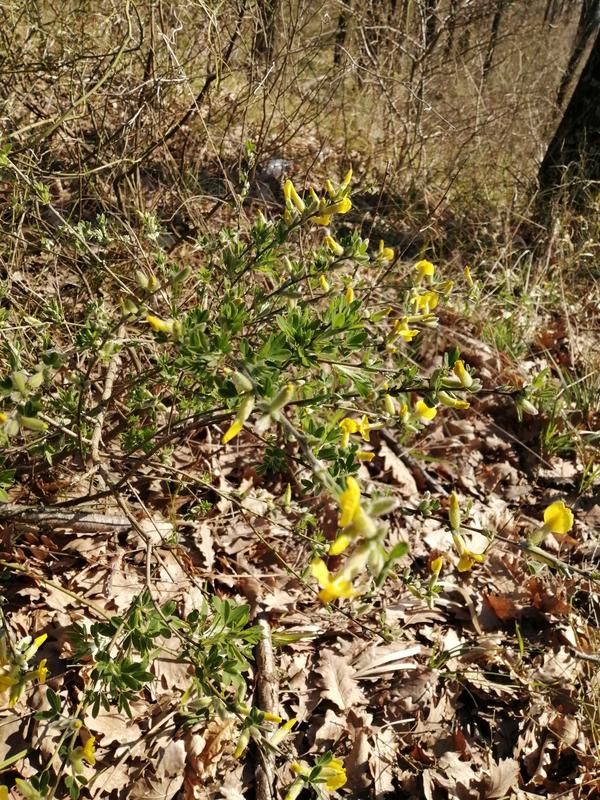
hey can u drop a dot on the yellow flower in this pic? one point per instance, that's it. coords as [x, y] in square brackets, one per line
[349, 294]
[468, 277]
[436, 565]
[291, 196]
[451, 401]
[385, 253]
[558, 519]
[349, 502]
[242, 415]
[8, 679]
[281, 733]
[341, 207]
[333, 246]
[425, 268]
[468, 559]
[364, 428]
[321, 219]
[160, 325]
[324, 283]
[424, 412]
[3, 792]
[401, 329]
[41, 673]
[232, 431]
[365, 455]
[80, 754]
[348, 426]
[88, 751]
[332, 587]
[3, 418]
[425, 302]
[334, 775]
[346, 182]
[339, 545]
[461, 373]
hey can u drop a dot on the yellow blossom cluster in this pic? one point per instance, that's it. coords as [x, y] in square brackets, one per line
[358, 522]
[320, 210]
[328, 777]
[15, 674]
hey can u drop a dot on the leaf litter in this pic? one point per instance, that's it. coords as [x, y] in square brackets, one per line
[490, 692]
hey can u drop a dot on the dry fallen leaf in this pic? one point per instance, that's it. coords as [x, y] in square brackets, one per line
[339, 684]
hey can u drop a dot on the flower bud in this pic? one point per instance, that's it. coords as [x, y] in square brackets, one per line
[282, 398]
[452, 402]
[33, 424]
[241, 382]
[528, 407]
[454, 512]
[141, 279]
[333, 246]
[36, 380]
[19, 382]
[382, 505]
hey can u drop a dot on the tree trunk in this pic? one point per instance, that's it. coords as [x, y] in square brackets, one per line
[495, 30]
[265, 30]
[575, 147]
[589, 21]
[340, 34]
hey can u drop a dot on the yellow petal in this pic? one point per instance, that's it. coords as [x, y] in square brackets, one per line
[322, 219]
[42, 671]
[365, 428]
[233, 430]
[558, 518]
[349, 502]
[88, 751]
[333, 246]
[349, 424]
[334, 774]
[339, 545]
[365, 455]
[462, 374]
[342, 207]
[424, 411]
[436, 565]
[425, 268]
[319, 571]
[465, 563]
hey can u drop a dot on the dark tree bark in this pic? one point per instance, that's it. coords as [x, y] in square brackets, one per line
[589, 21]
[340, 34]
[494, 31]
[575, 147]
[451, 24]
[431, 24]
[265, 31]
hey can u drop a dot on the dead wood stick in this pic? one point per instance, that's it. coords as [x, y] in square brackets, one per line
[77, 520]
[267, 696]
[111, 374]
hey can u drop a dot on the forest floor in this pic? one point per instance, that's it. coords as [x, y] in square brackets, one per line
[486, 687]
